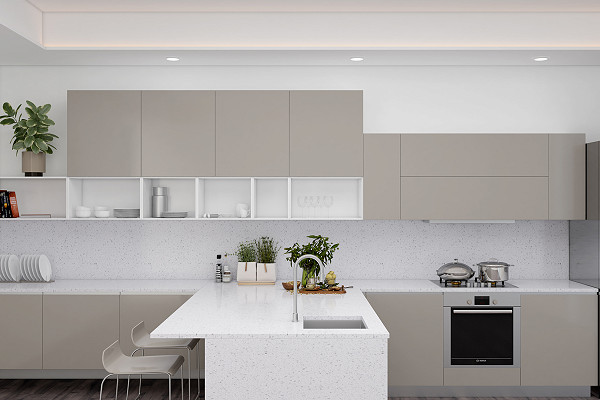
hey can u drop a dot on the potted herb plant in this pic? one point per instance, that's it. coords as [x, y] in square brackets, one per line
[246, 254]
[266, 252]
[31, 135]
[320, 247]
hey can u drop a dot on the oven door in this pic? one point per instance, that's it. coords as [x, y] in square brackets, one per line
[482, 336]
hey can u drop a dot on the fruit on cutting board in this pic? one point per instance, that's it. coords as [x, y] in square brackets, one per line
[330, 278]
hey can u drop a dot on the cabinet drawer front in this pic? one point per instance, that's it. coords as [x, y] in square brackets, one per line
[474, 155]
[492, 198]
[77, 328]
[178, 133]
[482, 376]
[382, 177]
[21, 331]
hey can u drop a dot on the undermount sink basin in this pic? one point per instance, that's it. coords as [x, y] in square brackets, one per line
[348, 323]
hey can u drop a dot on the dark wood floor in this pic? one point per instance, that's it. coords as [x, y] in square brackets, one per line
[76, 389]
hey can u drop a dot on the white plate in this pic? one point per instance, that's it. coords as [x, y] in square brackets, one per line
[36, 268]
[22, 266]
[45, 268]
[25, 268]
[3, 261]
[14, 272]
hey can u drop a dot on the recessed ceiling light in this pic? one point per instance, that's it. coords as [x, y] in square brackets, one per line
[357, 59]
[541, 59]
[172, 59]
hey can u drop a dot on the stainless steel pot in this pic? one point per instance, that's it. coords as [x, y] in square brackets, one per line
[493, 271]
[455, 271]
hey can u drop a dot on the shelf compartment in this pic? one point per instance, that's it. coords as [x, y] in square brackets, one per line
[108, 192]
[326, 198]
[222, 195]
[270, 199]
[181, 195]
[38, 195]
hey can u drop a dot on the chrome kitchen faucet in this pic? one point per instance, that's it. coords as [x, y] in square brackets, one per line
[304, 257]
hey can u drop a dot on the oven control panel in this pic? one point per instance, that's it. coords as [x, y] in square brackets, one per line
[478, 299]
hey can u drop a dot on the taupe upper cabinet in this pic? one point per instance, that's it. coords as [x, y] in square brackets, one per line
[253, 133]
[104, 133]
[567, 178]
[326, 133]
[178, 133]
[381, 184]
[474, 155]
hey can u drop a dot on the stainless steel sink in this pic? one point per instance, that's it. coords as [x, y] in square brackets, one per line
[351, 323]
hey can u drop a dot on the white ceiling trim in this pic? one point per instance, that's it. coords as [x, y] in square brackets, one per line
[23, 18]
[230, 31]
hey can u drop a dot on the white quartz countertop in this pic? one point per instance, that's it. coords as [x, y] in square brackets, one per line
[232, 311]
[148, 286]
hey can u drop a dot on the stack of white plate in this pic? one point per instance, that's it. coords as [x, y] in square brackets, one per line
[174, 214]
[9, 268]
[127, 212]
[36, 268]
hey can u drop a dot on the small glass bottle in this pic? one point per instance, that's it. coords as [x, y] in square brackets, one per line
[226, 274]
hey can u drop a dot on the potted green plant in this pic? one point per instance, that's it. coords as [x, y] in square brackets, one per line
[246, 254]
[320, 247]
[31, 135]
[267, 250]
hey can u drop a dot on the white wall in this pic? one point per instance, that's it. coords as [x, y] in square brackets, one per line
[368, 249]
[396, 99]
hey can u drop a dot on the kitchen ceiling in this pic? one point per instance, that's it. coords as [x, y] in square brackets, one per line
[317, 5]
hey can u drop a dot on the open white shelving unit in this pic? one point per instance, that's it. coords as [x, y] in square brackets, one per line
[274, 198]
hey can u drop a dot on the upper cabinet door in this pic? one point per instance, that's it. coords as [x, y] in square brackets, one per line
[178, 133]
[381, 184]
[326, 133]
[104, 131]
[253, 133]
[474, 155]
[567, 176]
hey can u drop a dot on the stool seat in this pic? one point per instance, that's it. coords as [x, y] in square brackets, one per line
[146, 342]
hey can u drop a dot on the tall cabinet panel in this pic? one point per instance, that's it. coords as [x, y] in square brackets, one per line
[178, 133]
[21, 331]
[326, 133]
[381, 184]
[253, 133]
[567, 177]
[104, 133]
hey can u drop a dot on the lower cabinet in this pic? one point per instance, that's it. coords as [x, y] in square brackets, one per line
[21, 331]
[559, 340]
[415, 347]
[77, 328]
[153, 309]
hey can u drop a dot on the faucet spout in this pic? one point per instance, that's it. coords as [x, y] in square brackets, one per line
[296, 264]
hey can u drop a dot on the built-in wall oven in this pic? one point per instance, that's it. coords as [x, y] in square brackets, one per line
[482, 329]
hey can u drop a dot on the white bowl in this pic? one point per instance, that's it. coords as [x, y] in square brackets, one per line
[101, 208]
[83, 212]
[102, 213]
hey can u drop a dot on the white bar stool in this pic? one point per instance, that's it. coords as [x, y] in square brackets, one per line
[117, 363]
[142, 341]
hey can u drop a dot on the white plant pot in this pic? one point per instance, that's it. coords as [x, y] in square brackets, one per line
[246, 272]
[266, 272]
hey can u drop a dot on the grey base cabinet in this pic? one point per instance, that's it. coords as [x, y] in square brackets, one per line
[559, 340]
[482, 376]
[21, 331]
[415, 347]
[77, 329]
[153, 309]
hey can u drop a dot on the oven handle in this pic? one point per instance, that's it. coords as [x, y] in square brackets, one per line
[482, 311]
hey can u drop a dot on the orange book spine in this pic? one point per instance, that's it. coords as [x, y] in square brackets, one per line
[13, 204]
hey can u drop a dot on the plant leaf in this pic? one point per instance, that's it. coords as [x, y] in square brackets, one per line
[41, 144]
[18, 146]
[28, 141]
[7, 121]
[31, 131]
[48, 122]
[45, 109]
[31, 122]
[30, 104]
[49, 151]
[35, 149]
[7, 108]
[30, 112]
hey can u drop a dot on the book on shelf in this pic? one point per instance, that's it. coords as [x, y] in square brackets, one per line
[8, 204]
[14, 208]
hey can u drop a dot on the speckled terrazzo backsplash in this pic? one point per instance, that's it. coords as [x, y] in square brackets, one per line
[368, 249]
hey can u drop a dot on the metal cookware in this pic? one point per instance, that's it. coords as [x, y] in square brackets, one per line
[455, 271]
[493, 271]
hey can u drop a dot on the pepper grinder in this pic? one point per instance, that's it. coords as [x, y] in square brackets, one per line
[159, 201]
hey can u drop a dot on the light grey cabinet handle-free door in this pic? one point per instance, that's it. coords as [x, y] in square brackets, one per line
[104, 133]
[326, 133]
[77, 328]
[253, 133]
[381, 184]
[178, 133]
[21, 331]
[567, 176]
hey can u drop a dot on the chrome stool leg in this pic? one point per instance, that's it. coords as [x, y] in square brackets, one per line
[169, 386]
[102, 384]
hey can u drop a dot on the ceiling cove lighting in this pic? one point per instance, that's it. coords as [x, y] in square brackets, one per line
[540, 59]
[356, 59]
[173, 59]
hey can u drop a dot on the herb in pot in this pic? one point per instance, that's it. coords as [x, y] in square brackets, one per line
[246, 252]
[320, 247]
[266, 250]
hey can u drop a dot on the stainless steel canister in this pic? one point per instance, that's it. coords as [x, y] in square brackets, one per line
[159, 201]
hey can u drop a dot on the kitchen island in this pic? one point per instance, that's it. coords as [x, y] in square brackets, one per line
[253, 350]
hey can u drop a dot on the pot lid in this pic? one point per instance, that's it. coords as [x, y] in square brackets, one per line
[454, 268]
[493, 262]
